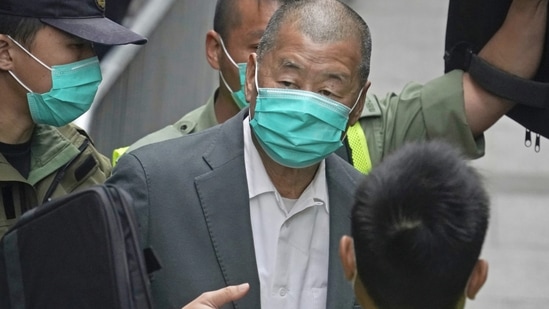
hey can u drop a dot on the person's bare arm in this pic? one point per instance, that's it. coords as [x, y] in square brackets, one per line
[216, 299]
[516, 48]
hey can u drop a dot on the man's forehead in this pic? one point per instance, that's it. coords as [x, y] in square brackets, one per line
[254, 17]
[256, 7]
[63, 35]
[291, 41]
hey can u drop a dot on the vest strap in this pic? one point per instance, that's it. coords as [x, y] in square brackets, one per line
[360, 155]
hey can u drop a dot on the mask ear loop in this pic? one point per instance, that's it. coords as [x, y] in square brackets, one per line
[232, 61]
[255, 77]
[352, 108]
[356, 102]
[227, 53]
[20, 82]
[28, 53]
[225, 82]
[33, 57]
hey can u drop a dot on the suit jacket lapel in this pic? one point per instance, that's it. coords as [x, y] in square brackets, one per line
[223, 193]
[341, 190]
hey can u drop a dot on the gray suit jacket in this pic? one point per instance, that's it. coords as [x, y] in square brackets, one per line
[191, 197]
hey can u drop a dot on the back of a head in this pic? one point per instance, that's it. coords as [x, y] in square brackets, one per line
[322, 21]
[418, 225]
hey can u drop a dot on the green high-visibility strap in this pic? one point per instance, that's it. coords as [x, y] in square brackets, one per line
[117, 153]
[360, 155]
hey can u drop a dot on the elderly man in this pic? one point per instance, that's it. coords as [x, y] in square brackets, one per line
[234, 212]
[261, 198]
[418, 225]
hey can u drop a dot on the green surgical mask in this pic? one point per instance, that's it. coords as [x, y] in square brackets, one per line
[238, 96]
[298, 128]
[74, 86]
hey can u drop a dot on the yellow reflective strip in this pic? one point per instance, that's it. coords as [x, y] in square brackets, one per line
[360, 155]
[117, 153]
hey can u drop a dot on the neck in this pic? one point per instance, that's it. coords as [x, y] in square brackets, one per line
[362, 296]
[224, 105]
[289, 182]
[16, 124]
[366, 301]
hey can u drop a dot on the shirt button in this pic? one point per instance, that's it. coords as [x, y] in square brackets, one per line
[283, 292]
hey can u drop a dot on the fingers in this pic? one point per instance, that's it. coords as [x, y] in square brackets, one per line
[227, 294]
[216, 299]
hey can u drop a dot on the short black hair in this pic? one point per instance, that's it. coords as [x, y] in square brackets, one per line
[21, 29]
[322, 21]
[418, 223]
[227, 15]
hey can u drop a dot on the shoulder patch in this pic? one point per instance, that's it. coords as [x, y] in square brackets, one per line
[100, 4]
[371, 108]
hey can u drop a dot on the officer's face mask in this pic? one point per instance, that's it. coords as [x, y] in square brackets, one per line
[74, 86]
[298, 128]
[238, 96]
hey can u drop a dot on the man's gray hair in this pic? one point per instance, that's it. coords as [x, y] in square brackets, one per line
[323, 21]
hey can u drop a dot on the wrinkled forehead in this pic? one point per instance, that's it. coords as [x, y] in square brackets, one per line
[291, 45]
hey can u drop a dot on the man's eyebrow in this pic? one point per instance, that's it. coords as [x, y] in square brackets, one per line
[256, 34]
[73, 39]
[338, 76]
[287, 63]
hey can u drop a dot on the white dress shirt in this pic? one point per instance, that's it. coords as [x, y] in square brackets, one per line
[291, 237]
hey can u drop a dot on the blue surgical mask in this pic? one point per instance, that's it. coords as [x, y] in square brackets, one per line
[238, 96]
[74, 86]
[298, 128]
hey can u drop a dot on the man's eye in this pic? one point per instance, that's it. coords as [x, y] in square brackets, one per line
[325, 93]
[286, 84]
[81, 45]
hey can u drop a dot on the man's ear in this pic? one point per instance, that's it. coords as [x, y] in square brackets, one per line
[355, 115]
[477, 279]
[250, 90]
[347, 256]
[213, 49]
[6, 62]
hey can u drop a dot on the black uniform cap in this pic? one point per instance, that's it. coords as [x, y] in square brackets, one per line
[82, 18]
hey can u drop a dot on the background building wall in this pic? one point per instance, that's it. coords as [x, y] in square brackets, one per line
[168, 77]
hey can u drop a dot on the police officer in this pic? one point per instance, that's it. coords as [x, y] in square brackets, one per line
[49, 76]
